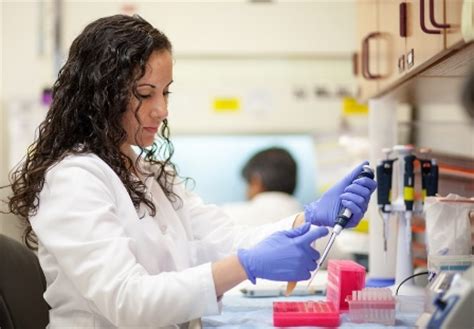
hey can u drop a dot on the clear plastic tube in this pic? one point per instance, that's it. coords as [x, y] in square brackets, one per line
[374, 305]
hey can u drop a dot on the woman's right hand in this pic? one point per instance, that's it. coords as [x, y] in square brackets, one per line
[352, 192]
[283, 256]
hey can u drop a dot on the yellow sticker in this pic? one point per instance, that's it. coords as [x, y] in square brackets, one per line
[228, 104]
[409, 194]
[363, 226]
[351, 107]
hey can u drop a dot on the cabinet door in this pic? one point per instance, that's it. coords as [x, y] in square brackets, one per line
[453, 18]
[424, 41]
[367, 61]
[391, 42]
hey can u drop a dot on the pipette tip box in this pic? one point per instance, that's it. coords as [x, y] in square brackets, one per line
[344, 276]
[307, 313]
[373, 305]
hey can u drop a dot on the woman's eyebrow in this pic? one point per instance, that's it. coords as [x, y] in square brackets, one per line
[152, 85]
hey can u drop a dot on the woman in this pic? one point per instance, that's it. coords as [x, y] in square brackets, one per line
[120, 240]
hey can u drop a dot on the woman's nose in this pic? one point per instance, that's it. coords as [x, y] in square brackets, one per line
[160, 110]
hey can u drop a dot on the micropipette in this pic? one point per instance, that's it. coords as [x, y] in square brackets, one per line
[429, 177]
[384, 186]
[341, 222]
[409, 194]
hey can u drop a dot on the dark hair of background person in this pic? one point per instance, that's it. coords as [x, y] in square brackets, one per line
[90, 97]
[276, 168]
[467, 96]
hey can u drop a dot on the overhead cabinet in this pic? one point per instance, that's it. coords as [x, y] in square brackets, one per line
[400, 38]
[364, 68]
[453, 13]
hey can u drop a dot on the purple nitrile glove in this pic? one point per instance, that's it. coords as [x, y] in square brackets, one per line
[283, 256]
[350, 192]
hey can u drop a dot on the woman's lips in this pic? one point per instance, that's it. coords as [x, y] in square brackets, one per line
[151, 130]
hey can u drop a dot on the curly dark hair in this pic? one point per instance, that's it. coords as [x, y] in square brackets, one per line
[90, 97]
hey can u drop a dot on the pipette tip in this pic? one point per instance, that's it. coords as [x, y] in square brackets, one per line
[290, 287]
[313, 275]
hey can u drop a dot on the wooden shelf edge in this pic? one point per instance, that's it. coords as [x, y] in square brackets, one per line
[432, 65]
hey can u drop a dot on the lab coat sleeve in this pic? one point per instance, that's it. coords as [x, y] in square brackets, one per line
[77, 223]
[214, 229]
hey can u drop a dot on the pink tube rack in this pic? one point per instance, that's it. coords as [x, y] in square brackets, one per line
[376, 305]
[309, 313]
[344, 276]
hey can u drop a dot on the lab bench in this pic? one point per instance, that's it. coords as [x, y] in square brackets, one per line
[239, 311]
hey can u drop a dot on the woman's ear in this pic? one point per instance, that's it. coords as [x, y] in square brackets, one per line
[254, 186]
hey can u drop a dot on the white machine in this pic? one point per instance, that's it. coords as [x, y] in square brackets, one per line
[453, 308]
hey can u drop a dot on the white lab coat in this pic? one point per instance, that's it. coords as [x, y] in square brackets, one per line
[264, 208]
[107, 268]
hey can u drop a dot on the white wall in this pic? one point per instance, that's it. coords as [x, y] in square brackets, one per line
[8, 224]
[26, 70]
[236, 27]
[442, 123]
[266, 90]
[446, 128]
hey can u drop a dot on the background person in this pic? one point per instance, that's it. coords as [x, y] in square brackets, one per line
[270, 175]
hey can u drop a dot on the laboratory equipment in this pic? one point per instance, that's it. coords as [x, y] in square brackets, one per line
[448, 228]
[373, 305]
[307, 313]
[449, 263]
[267, 288]
[404, 265]
[404, 204]
[291, 286]
[429, 177]
[384, 172]
[341, 222]
[409, 194]
[453, 308]
[445, 271]
[265, 292]
[344, 277]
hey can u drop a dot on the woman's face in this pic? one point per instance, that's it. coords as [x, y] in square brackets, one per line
[153, 88]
